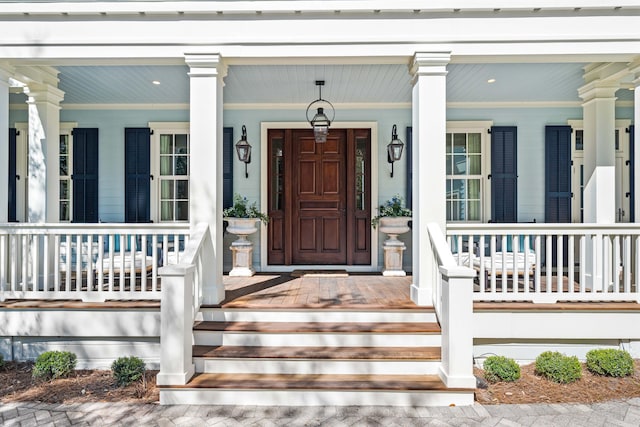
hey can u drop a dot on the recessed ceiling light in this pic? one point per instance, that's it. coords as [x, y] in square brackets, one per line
[491, 81]
[156, 82]
[632, 88]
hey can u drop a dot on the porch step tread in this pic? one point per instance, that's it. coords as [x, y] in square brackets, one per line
[316, 382]
[319, 327]
[328, 305]
[321, 353]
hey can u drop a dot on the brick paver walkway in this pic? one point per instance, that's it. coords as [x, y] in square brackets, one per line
[618, 413]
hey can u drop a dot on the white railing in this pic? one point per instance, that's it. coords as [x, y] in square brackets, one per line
[88, 262]
[550, 262]
[453, 302]
[183, 286]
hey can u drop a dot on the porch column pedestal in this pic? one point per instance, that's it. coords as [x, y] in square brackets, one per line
[206, 74]
[242, 254]
[599, 171]
[393, 252]
[429, 121]
[4, 145]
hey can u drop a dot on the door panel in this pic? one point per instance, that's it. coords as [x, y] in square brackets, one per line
[319, 172]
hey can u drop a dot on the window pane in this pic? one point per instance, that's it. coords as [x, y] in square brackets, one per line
[182, 211]
[166, 189]
[475, 165]
[182, 146]
[459, 189]
[579, 140]
[474, 189]
[460, 143]
[166, 211]
[474, 143]
[64, 144]
[166, 168]
[64, 211]
[64, 165]
[448, 142]
[166, 144]
[459, 165]
[182, 189]
[64, 189]
[474, 210]
[448, 166]
[182, 165]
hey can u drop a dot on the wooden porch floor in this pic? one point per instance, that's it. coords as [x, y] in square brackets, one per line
[353, 291]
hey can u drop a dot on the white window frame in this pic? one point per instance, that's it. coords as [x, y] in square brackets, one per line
[163, 128]
[480, 127]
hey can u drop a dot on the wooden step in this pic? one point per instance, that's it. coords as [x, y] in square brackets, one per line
[317, 360]
[316, 390]
[426, 314]
[316, 382]
[320, 327]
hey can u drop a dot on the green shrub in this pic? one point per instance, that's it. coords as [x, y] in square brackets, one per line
[54, 364]
[558, 368]
[1, 361]
[610, 362]
[127, 370]
[500, 368]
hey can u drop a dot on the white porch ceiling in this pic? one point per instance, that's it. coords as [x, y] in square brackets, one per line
[345, 84]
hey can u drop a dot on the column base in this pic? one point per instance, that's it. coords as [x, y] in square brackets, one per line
[393, 258]
[421, 296]
[242, 264]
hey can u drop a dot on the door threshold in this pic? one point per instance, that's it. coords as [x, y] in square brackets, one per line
[319, 273]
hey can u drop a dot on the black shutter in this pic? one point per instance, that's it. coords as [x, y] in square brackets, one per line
[504, 174]
[12, 175]
[632, 174]
[227, 167]
[85, 175]
[558, 174]
[409, 156]
[137, 175]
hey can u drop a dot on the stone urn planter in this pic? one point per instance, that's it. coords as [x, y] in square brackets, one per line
[393, 226]
[242, 248]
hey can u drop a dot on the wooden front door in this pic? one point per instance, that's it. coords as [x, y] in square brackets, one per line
[319, 198]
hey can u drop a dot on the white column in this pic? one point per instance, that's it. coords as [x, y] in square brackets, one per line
[4, 145]
[429, 128]
[599, 117]
[43, 154]
[206, 72]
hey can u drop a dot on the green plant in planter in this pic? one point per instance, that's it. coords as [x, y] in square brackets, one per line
[392, 208]
[243, 209]
[500, 368]
[610, 362]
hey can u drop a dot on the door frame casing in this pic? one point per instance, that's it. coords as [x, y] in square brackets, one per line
[264, 192]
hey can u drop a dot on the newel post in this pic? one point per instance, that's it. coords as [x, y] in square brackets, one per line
[457, 327]
[176, 313]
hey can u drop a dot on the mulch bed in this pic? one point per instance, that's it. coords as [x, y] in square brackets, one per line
[531, 388]
[16, 384]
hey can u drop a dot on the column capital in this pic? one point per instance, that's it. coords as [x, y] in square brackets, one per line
[38, 92]
[429, 63]
[598, 90]
[205, 65]
[6, 72]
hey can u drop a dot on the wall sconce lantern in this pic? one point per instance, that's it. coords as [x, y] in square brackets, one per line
[243, 148]
[394, 148]
[320, 122]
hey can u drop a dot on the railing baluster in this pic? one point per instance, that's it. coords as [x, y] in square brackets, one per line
[3, 262]
[132, 253]
[25, 263]
[112, 240]
[46, 265]
[35, 259]
[143, 272]
[154, 271]
[100, 262]
[493, 264]
[14, 262]
[583, 261]
[615, 263]
[560, 263]
[538, 250]
[571, 263]
[122, 258]
[482, 278]
[165, 249]
[626, 269]
[549, 266]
